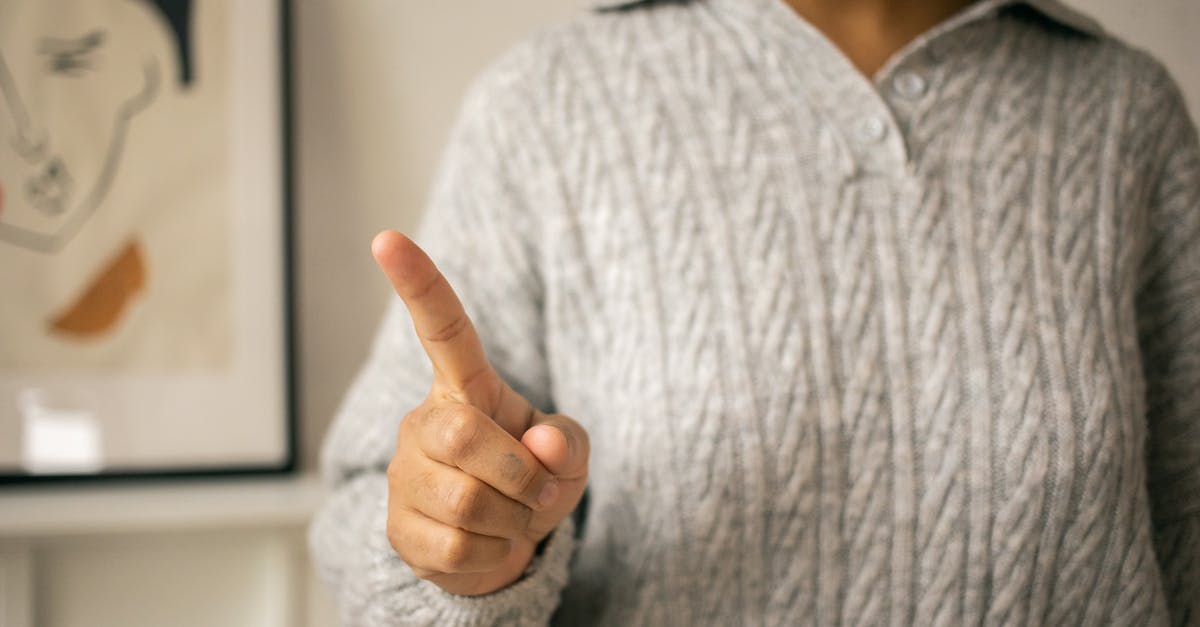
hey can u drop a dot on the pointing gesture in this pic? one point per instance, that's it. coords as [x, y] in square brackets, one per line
[438, 316]
[479, 476]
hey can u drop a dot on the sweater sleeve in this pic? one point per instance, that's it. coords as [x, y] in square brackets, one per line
[1169, 328]
[480, 229]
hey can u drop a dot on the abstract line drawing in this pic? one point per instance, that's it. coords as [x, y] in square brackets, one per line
[54, 201]
[69, 97]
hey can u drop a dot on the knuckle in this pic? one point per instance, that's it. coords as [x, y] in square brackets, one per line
[426, 288]
[410, 419]
[459, 430]
[448, 331]
[415, 421]
[477, 376]
[455, 551]
[418, 420]
[465, 501]
[417, 490]
[524, 518]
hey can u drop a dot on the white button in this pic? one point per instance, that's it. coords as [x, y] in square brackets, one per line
[910, 85]
[871, 129]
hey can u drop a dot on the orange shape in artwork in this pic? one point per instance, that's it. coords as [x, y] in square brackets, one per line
[100, 307]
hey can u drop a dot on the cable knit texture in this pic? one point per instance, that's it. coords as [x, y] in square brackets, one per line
[923, 349]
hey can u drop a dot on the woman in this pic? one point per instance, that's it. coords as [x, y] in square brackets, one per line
[874, 312]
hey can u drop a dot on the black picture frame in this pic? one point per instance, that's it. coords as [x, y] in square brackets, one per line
[285, 462]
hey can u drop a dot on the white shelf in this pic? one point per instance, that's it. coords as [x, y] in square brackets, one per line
[53, 511]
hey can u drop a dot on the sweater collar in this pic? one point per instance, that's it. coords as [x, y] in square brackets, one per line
[1052, 9]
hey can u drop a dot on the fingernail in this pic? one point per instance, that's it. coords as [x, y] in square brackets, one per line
[549, 493]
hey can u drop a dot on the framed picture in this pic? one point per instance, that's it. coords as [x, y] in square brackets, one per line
[145, 282]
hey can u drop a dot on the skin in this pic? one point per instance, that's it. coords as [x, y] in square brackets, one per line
[869, 32]
[479, 475]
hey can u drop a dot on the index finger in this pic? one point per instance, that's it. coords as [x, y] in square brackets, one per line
[438, 316]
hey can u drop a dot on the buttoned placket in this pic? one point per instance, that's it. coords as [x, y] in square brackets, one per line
[870, 117]
[858, 110]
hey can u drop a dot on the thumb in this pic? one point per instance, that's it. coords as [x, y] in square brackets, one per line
[560, 443]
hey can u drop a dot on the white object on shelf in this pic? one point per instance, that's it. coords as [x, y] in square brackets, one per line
[40, 511]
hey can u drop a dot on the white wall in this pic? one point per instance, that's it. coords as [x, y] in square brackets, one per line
[378, 86]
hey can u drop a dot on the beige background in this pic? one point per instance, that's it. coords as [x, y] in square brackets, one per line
[379, 84]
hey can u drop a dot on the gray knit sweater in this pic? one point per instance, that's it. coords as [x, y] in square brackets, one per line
[923, 350]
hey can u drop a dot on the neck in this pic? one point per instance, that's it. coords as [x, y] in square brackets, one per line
[869, 32]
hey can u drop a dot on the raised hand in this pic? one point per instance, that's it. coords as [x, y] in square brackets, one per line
[479, 476]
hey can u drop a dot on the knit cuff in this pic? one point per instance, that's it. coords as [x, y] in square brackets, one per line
[529, 601]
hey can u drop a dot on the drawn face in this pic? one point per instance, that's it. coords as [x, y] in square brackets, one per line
[73, 74]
